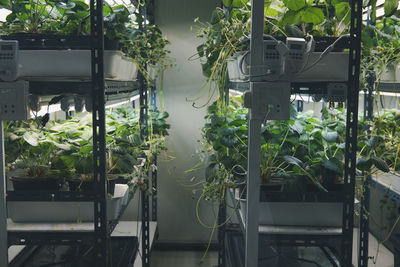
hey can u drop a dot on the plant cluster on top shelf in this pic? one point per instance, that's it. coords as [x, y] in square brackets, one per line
[381, 50]
[71, 18]
[228, 31]
[62, 152]
[301, 154]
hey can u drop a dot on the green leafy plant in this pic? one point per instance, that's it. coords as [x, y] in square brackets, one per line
[229, 28]
[66, 147]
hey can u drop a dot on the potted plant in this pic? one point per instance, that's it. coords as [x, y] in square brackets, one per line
[226, 37]
[301, 164]
[58, 31]
[32, 154]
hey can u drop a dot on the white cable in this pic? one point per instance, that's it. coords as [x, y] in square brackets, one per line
[325, 52]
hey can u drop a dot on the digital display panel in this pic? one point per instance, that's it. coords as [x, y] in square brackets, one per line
[296, 46]
[6, 47]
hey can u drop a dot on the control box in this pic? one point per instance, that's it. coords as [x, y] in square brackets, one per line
[296, 57]
[9, 60]
[14, 100]
[272, 59]
[336, 92]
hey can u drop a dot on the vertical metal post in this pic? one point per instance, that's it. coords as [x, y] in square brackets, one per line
[3, 205]
[144, 133]
[153, 103]
[365, 198]
[351, 132]
[221, 234]
[99, 135]
[145, 208]
[155, 191]
[254, 139]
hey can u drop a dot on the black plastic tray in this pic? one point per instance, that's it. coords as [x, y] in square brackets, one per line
[123, 253]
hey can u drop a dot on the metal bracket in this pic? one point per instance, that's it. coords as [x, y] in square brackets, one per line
[270, 100]
[14, 100]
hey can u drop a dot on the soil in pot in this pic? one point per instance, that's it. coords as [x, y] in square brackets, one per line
[21, 183]
[82, 185]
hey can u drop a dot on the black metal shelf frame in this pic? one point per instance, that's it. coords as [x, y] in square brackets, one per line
[345, 239]
[100, 90]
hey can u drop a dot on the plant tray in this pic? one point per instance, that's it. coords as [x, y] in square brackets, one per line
[35, 41]
[332, 68]
[46, 211]
[72, 65]
[324, 209]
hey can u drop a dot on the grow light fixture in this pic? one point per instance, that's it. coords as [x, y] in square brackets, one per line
[75, 103]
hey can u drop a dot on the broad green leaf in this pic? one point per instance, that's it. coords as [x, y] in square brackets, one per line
[163, 115]
[292, 160]
[330, 136]
[343, 13]
[65, 5]
[271, 12]
[238, 3]
[390, 7]
[227, 3]
[31, 138]
[290, 17]
[364, 164]
[295, 5]
[5, 3]
[293, 31]
[312, 15]
[216, 16]
[380, 164]
[229, 141]
[367, 41]
[374, 141]
[298, 127]
[333, 165]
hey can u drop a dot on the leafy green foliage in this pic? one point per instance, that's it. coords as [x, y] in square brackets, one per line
[67, 146]
[305, 149]
[72, 17]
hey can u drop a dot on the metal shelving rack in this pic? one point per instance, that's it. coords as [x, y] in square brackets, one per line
[387, 87]
[322, 238]
[97, 233]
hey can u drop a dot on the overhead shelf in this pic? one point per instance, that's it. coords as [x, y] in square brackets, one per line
[336, 91]
[56, 65]
[43, 88]
[285, 230]
[389, 87]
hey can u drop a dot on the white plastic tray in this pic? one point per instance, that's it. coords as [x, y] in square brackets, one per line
[72, 64]
[321, 214]
[332, 68]
[38, 211]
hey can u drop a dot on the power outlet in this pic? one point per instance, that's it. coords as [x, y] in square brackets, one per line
[14, 100]
[271, 100]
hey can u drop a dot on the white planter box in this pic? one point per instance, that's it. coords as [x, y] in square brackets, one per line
[72, 64]
[34, 211]
[333, 68]
[234, 72]
[390, 74]
[324, 214]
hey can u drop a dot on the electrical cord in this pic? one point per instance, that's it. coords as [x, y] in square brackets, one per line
[282, 53]
[325, 52]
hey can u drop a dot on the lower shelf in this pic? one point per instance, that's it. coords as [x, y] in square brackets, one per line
[274, 256]
[123, 252]
[124, 229]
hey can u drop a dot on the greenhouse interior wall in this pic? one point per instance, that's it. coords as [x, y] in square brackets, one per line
[177, 217]
[178, 224]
